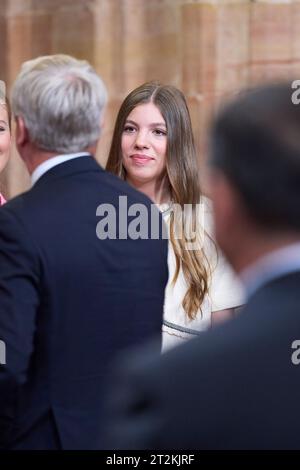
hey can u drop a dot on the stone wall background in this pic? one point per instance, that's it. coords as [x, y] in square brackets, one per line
[209, 49]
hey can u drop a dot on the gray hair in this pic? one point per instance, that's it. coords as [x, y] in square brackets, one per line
[61, 100]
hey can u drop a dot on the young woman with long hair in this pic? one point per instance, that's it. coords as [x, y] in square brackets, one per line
[153, 150]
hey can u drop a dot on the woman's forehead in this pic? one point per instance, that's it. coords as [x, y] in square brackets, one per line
[3, 111]
[146, 111]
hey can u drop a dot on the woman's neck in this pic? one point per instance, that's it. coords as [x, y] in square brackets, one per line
[157, 191]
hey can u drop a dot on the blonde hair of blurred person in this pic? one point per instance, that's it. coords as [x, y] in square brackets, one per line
[5, 133]
[153, 150]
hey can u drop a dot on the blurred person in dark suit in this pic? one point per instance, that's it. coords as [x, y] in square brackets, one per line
[236, 387]
[71, 295]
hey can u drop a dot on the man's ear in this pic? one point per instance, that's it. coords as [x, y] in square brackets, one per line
[225, 203]
[230, 214]
[22, 135]
[102, 122]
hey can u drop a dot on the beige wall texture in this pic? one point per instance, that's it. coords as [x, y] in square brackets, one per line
[209, 49]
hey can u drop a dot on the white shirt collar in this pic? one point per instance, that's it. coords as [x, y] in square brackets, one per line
[276, 264]
[52, 162]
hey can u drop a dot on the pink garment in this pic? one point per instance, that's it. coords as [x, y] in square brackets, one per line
[2, 200]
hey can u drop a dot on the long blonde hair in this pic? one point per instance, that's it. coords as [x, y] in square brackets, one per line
[183, 175]
[5, 103]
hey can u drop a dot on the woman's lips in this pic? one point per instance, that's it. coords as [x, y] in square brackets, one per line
[141, 159]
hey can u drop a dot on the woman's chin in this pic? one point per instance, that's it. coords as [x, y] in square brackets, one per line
[141, 177]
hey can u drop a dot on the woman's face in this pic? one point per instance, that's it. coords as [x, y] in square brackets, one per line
[144, 144]
[5, 137]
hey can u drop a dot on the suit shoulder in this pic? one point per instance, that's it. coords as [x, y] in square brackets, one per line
[19, 207]
[14, 207]
[16, 202]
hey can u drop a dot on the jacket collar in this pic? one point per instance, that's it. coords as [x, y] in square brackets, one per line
[69, 167]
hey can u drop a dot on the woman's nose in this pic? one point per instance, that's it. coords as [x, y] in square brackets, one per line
[141, 140]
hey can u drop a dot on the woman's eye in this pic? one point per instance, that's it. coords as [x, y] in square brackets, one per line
[129, 129]
[2, 129]
[159, 132]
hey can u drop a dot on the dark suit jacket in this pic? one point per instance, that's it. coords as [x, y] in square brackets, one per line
[235, 387]
[68, 302]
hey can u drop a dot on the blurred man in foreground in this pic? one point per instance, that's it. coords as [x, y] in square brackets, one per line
[236, 387]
